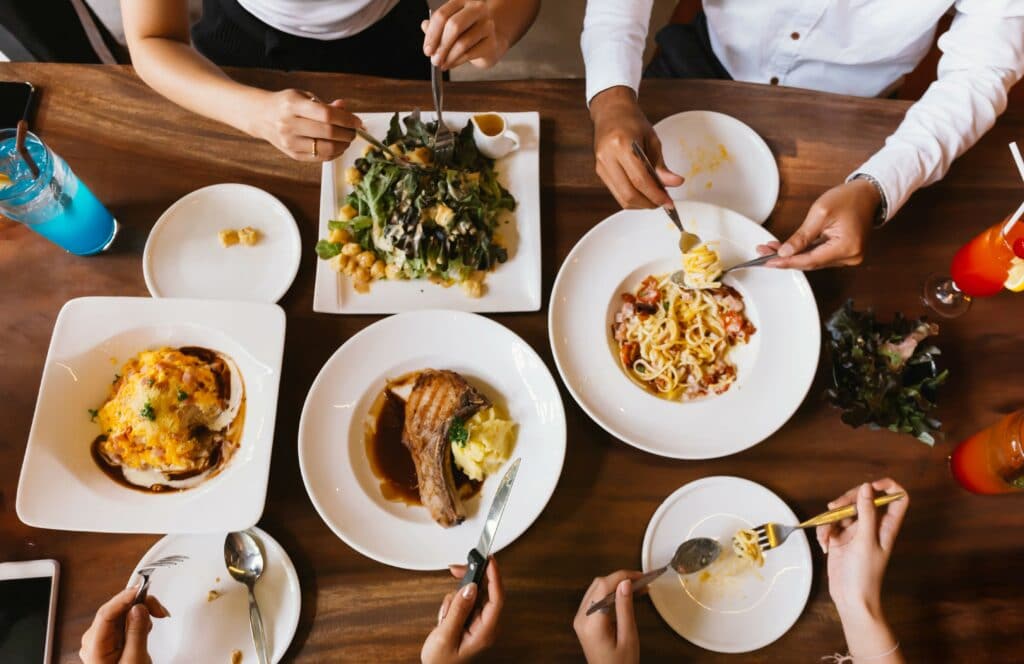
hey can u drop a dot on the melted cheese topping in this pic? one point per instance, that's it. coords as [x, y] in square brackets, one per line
[159, 412]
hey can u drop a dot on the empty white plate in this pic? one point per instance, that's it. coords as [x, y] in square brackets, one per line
[206, 629]
[724, 162]
[184, 256]
[727, 612]
[774, 370]
[332, 450]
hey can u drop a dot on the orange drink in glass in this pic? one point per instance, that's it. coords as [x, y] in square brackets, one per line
[992, 460]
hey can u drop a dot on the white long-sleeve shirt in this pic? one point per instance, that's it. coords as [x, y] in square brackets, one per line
[852, 47]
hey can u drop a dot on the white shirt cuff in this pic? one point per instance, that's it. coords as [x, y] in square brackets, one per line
[884, 167]
[611, 66]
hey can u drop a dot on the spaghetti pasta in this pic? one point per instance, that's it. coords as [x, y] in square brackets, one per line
[674, 341]
[701, 267]
[744, 545]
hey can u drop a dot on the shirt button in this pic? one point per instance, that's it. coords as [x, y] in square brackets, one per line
[775, 80]
[794, 36]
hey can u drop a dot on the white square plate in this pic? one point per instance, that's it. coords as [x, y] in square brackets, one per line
[62, 487]
[513, 286]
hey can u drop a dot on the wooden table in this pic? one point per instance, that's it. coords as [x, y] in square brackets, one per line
[953, 590]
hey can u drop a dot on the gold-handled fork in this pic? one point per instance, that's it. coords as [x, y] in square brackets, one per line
[771, 535]
[147, 570]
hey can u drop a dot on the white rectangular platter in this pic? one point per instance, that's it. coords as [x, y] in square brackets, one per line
[512, 286]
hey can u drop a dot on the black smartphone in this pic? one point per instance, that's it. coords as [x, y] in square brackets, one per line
[15, 102]
[28, 606]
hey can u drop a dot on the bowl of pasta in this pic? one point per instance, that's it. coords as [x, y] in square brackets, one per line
[699, 367]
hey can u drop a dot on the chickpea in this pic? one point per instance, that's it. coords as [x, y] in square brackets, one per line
[346, 212]
[366, 259]
[351, 249]
[339, 235]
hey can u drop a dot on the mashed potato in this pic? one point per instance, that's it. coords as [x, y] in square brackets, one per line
[488, 445]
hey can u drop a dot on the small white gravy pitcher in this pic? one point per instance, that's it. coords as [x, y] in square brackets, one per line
[493, 137]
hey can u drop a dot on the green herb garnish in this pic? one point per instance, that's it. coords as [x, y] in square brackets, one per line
[882, 374]
[92, 414]
[148, 412]
[182, 394]
[457, 433]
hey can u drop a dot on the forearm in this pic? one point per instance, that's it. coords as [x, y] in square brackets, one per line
[868, 637]
[512, 18]
[180, 73]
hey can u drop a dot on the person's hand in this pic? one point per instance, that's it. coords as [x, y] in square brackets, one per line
[463, 31]
[858, 549]
[301, 126]
[842, 218]
[618, 121]
[451, 641]
[119, 631]
[609, 638]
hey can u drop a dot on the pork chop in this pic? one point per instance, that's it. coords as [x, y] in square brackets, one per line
[437, 399]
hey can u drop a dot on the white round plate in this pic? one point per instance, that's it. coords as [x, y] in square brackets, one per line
[200, 630]
[775, 368]
[727, 613]
[184, 256]
[724, 161]
[332, 453]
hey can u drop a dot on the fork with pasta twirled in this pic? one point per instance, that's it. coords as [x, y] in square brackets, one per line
[771, 535]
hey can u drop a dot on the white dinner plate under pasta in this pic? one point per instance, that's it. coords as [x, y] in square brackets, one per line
[207, 626]
[774, 370]
[332, 451]
[719, 611]
[184, 256]
[724, 161]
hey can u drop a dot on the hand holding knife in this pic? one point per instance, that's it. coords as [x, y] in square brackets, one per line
[476, 561]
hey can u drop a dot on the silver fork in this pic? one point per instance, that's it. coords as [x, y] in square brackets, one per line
[771, 535]
[444, 139]
[147, 571]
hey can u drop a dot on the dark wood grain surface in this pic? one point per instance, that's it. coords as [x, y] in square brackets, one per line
[954, 588]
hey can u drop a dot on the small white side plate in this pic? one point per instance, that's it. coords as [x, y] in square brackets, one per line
[332, 450]
[513, 285]
[735, 614]
[184, 256]
[200, 630]
[61, 487]
[724, 162]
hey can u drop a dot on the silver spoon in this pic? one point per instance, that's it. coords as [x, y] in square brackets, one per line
[687, 240]
[244, 561]
[692, 556]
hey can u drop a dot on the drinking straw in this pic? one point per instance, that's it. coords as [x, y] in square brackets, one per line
[1016, 215]
[1017, 158]
[1020, 167]
[19, 145]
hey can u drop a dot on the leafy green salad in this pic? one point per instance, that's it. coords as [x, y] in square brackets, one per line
[419, 219]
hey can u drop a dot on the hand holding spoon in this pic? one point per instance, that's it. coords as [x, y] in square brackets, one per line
[692, 556]
[687, 240]
[244, 561]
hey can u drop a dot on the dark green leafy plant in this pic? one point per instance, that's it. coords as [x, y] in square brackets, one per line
[883, 375]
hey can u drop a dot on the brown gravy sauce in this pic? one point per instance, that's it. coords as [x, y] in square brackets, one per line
[390, 459]
[223, 445]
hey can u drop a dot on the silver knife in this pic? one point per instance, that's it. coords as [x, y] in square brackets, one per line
[476, 562]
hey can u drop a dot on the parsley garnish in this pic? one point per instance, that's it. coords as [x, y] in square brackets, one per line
[182, 395]
[92, 414]
[457, 433]
[148, 412]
